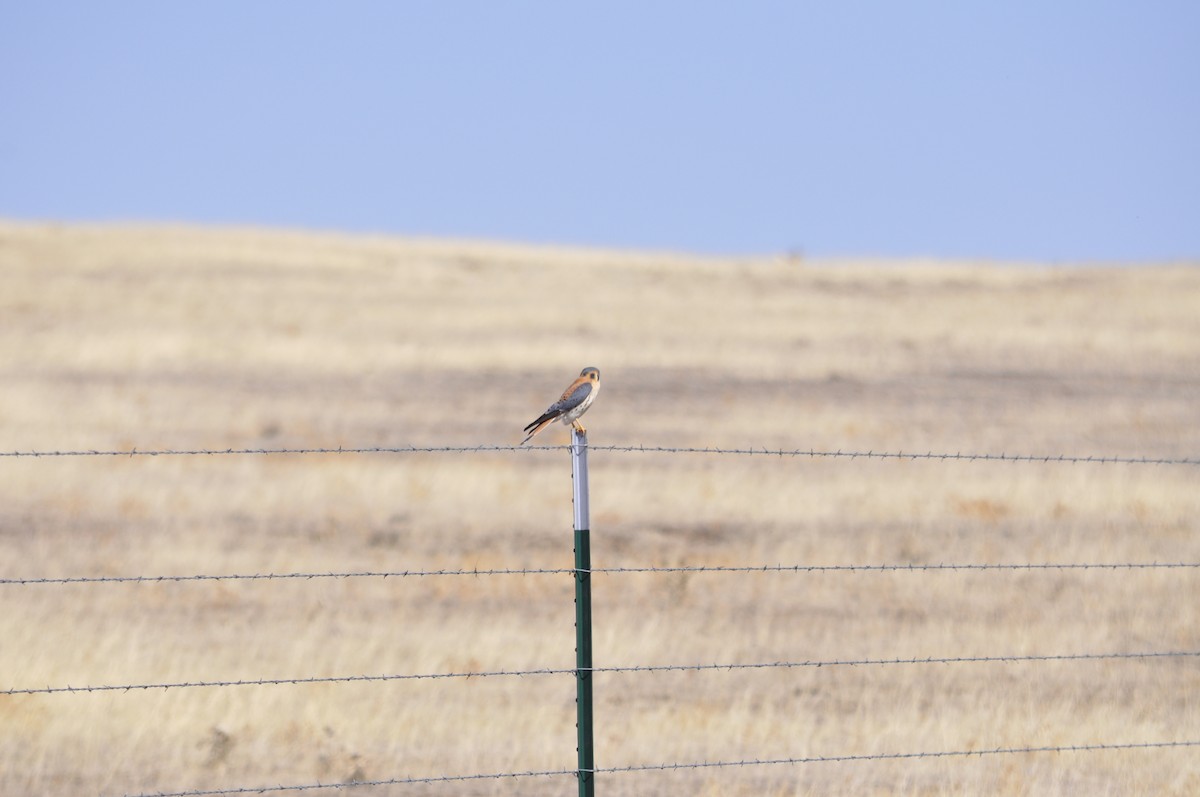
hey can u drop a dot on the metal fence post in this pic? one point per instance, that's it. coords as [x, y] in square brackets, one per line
[583, 616]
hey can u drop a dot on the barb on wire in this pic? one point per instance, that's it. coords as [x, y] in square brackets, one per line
[731, 666]
[758, 762]
[809, 453]
[527, 571]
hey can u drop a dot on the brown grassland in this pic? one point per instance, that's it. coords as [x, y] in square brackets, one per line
[117, 338]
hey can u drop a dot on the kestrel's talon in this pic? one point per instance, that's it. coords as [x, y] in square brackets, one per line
[574, 402]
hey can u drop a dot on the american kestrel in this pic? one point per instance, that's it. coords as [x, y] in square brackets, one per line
[574, 402]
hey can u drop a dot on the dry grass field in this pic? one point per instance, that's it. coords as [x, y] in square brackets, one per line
[176, 338]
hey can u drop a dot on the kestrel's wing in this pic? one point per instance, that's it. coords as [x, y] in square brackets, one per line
[572, 397]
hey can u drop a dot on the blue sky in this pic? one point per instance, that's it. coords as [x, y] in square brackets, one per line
[1052, 131]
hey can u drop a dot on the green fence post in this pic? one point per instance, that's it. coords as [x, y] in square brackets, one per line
[583, 616]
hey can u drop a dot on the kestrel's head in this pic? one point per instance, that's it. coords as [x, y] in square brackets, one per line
[591, 373]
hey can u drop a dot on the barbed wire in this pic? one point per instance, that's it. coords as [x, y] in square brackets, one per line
[906, 567]
[641, 449]
[748, 762]
[220, 452]
[733, 666]
[1073, 748]
[357, 783]
[526, 571]
[943, 456]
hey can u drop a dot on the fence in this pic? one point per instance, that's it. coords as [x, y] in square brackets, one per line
[586, 770]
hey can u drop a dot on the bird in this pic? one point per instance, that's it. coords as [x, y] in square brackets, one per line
[574, 402]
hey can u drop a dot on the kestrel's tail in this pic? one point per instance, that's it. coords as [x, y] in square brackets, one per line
[541, 423]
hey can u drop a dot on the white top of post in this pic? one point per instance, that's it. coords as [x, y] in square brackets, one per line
[579, 477]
